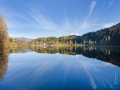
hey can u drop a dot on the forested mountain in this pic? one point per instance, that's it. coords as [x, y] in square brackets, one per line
[108, 36]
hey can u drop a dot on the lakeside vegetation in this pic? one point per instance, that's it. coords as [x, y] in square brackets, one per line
[17, 43]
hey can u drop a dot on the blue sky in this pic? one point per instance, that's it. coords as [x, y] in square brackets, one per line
[43, 18]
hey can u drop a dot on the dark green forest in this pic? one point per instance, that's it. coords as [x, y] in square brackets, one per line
[107, 37]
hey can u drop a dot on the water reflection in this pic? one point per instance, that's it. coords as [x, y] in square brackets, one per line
[107, 54]
[19, 50]
[65, 68]
[3, 62]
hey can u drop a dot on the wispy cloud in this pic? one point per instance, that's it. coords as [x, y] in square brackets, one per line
[110, 3]
[109, 24]
[92, 5]
[42, 22]
[33, 15]
[77, 34]
[104, 10]
[36, 19]
[86, 23]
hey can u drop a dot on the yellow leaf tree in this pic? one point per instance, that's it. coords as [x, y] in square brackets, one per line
[4, 40]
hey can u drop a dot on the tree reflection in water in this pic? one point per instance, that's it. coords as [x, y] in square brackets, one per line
[4, 53]
[107, 54]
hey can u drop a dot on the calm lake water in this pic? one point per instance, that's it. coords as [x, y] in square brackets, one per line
[70, 68]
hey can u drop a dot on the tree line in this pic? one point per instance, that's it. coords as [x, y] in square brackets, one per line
[107, 36]
[17, 43]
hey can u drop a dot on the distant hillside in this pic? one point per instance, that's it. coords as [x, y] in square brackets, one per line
[23, 39]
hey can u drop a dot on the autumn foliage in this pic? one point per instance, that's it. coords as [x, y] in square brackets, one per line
[4, 40]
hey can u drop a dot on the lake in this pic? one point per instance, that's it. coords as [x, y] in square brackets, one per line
[65, 68]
